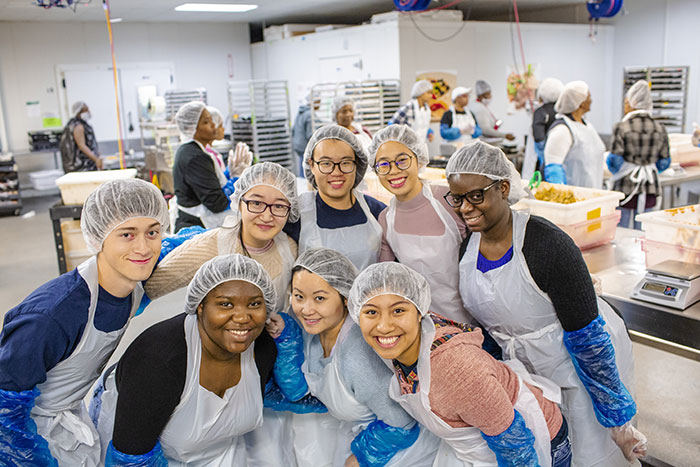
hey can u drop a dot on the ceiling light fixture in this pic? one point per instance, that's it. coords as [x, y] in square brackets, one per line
[116, 20]
[216, 7]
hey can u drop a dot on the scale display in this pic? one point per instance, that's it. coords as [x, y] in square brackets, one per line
[660, 288]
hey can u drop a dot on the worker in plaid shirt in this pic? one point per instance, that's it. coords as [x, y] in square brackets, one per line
[640, 150]
[416, 112]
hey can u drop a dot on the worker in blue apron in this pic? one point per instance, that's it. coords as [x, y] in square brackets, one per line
[55, 344]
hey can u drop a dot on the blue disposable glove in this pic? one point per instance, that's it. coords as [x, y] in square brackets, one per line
[555, 173]
[430, 133]
[171, 242]
[449, 133]
[229, 188]
[275, 400]
[539, 150]
[379, 442]
[153, 458]
[614, 162]
[663, 164]
[20, 444]
[515, 446]
[290, 357]
[477, 131]
[593, 356]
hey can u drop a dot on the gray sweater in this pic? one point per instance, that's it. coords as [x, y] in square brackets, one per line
[364, 374]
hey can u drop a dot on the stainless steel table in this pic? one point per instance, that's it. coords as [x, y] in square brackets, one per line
[692, 174]
[620, 265]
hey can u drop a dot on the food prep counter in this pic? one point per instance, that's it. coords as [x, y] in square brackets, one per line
[620, 266]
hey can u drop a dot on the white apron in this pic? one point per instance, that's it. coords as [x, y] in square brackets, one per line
[352, 416]
[463, 121]
[205, 429]
[462, 447]
[584, 161]
[360, 243]
[522, 320]
[435, 257]
[421, 120]
[59, 411]
[363, 138]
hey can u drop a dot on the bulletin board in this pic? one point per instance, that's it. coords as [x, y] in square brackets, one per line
[443, 83]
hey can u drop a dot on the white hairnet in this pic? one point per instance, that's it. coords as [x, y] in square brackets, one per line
[269, 174]
[403, 134]
[421, 87]
[187, 118]
[216, 116]
[331, 266]
[481, 87]
[77, 107]
[550, 89]
[572, 96]
[460, 91]
[389, 278]
[639, 96]
[479, 158]
[341, 134]
[115, 202]
[227, 268]
[340, 102]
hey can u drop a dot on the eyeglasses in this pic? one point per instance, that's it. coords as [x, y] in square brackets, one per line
[474, 197]
[402, 162]
[327, 167]
[258, 207]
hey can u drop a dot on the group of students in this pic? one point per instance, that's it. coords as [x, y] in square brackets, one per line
[324, 328]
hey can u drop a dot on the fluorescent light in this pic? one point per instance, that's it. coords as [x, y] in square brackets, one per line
[216, 7]
[116, 20]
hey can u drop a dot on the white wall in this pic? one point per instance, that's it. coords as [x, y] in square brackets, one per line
[659, 32]
[482, 50]
[299, 60]
[30, 51]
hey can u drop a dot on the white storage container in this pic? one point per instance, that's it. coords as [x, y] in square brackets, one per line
[677, 226]
[76, 186]
[72, 236]
[596, 232]
[45, 179]
[658, 252]
[592, 204]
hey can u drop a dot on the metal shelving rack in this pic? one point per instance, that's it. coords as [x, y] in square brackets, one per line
[10, 201]
[375, 100]
[669, 91]
[260, 117]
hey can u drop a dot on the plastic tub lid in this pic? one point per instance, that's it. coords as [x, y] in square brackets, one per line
[100, 176]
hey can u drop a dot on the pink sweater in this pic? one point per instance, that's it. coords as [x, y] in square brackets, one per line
[471, 388]
[418, 217]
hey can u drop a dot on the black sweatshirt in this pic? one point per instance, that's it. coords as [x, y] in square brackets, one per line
[151, 377]
[557, 266]
[542, 121]
[195, 179]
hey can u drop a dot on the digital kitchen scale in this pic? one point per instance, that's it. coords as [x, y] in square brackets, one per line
[671, 283]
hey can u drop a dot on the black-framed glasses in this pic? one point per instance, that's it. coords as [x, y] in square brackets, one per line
[474, 197]
[258, 207]
[327, 167]
[402, 162]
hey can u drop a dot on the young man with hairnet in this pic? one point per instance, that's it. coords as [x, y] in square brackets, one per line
[55, 344]
[416, 112]
[640, 150]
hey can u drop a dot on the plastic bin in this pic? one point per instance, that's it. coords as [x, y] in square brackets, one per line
[72, 236]
[45, 179]
[593, 204]
[657, 252]
[677, 226]
[596, 232]
[76, 186]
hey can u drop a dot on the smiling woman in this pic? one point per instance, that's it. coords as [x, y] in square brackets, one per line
[188, 388]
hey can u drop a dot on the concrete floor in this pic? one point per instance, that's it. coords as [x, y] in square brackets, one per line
[667, 386]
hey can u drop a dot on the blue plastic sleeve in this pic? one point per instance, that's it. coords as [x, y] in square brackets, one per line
[593, 357]
[539, 150]
[555, 173]
[145, 301]
[153, 458]
[290, 357]
[515, 446]
[449, 133]
[227, 174]
[477, 131]
[228, 188]
[20, 445]
[378, 443]
[614, 162]
[663, 164]
[275, 400]
[171, 242]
